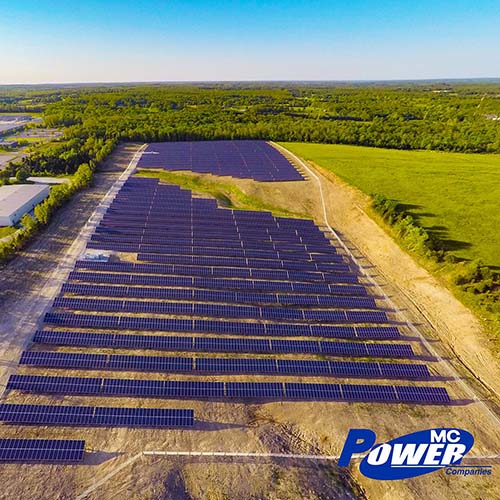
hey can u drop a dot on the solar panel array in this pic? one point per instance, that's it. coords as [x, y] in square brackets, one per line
[220, 327]
[174, 389]
[41, 450]
[195, 278]
[218, 296]
[220, 310]
[269, 366]
[222, 344]
[243, 159]
[91, 416]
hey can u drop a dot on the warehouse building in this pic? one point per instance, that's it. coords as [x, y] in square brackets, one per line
[19, 199]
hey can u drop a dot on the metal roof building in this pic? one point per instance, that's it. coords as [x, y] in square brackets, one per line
[19, 199]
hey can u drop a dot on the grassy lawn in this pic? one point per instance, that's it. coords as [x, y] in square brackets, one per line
[454, 195]
[227, 194]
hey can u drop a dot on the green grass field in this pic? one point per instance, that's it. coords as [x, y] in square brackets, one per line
[454, 195]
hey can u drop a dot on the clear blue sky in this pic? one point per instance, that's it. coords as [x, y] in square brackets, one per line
[145, 40]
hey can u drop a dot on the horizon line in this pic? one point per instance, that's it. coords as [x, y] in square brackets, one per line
[306, 81]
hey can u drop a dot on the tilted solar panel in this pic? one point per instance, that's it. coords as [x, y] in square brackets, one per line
[94, 416]
[223, 390]
[41, 450]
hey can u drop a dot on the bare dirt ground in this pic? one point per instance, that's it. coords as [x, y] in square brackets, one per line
[284, 427]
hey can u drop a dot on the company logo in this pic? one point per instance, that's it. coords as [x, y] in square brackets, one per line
[410, 455]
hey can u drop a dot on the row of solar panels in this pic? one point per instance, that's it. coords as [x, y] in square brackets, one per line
[227, 272]
[181, 211]
[160, 243]
[166, 233]
[221, 310]
[236, 243]
[219, 327]
[291, 242]
[181, 214]
[196, 211]
[349, 288]
[174, 233]
[41, 450]
[240, 252]
[231, 297]
[194, 260]
[222, 344]
[178, 214]
[175, 216]
[95, 416]
[262, 391]
[268, 366]
[159, 233]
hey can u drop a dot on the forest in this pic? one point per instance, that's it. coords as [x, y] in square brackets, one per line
[461, 117]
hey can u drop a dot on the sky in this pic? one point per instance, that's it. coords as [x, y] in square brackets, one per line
[45, 41]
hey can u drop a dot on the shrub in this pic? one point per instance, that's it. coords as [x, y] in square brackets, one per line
[414, 237]
[22, 174]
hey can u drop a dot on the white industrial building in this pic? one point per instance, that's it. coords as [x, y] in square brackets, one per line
[19, 199]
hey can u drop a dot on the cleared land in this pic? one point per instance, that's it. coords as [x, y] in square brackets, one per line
[455, 196]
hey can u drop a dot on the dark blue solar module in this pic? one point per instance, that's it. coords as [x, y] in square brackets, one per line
[220, 283]
[241, 390]
[41, 450]
[169, 364]
[219, 310]
[254, 390]
[64, 360]
[243, 159]
[343, 276]
[222, 344]
[94, 416]
[55, 385]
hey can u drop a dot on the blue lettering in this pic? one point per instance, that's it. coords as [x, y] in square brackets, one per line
[357, 441]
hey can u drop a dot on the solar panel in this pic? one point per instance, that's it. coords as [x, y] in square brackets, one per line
[54, 385]
[64, 360]
[384, 393]
[95, 416]
[254, 390]
[236, 365]
[314, 392]
[223, 390]
[150, 363]
[430, 395]
[41, 450]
